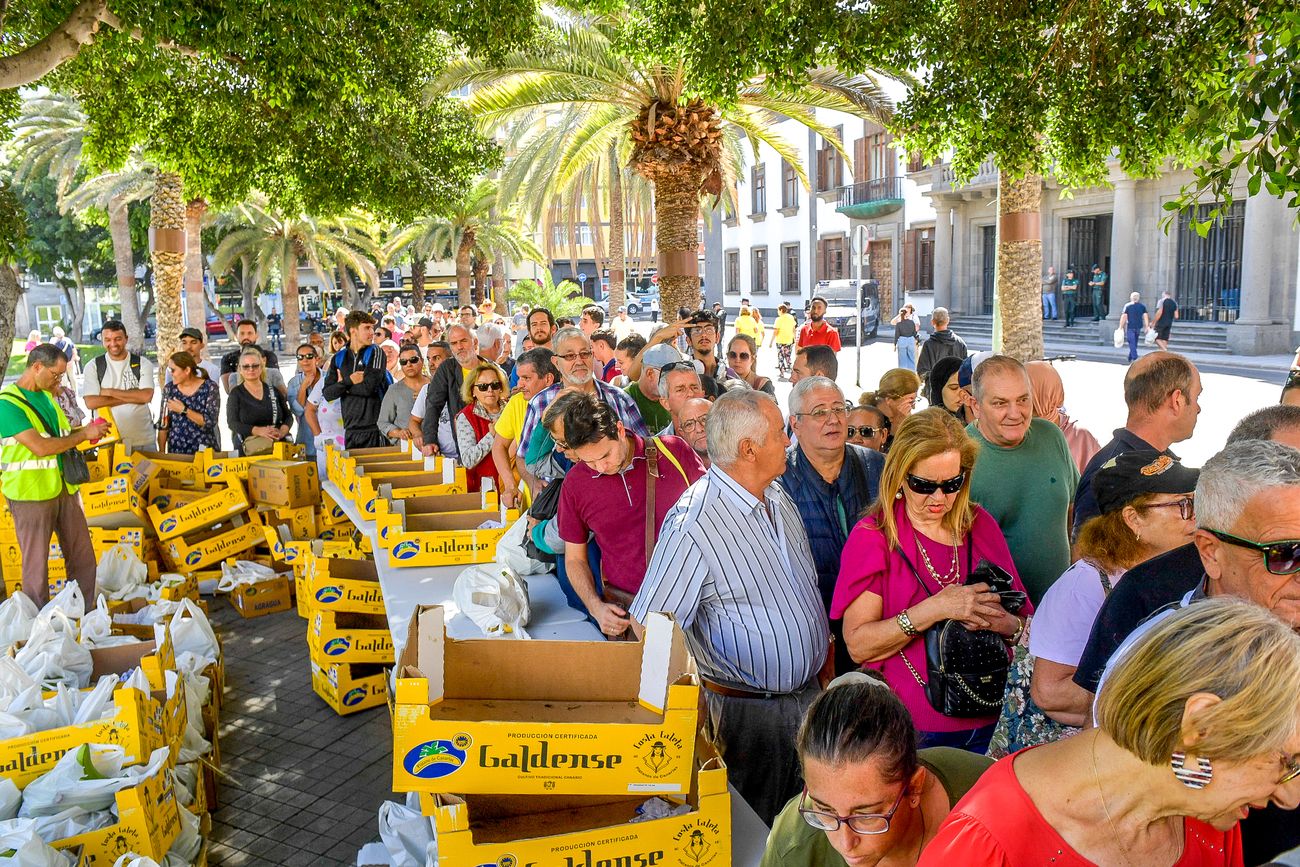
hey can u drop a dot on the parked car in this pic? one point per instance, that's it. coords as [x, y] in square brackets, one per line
[214, 326]
[842, 303]
[642, 299]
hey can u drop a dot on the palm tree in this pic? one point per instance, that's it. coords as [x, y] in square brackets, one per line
[475, 228]
[265, 241]
[676, 143]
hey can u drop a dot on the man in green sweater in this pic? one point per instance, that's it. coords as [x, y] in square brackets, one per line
[1024, 475]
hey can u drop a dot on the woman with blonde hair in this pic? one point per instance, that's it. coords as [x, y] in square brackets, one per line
[1198, 723]
[895, 397]
[1049, 398]
[906, 567]
[747, 325]
[484, 391]
[258, 415]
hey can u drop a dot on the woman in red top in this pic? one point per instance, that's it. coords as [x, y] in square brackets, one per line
[1198, 723]
[484, 391]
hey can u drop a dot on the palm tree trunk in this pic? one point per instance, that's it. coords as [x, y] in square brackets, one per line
[617, 241]
[463, 269]
[194, 307]
[480, 280]
[119, 232]
[351, 298]
[417, 281]
[290, 322]
[167, 241]
[1018, 280]
[10, 292]
[499, 282]
[677, 238]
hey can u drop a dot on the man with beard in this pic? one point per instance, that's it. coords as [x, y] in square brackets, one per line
[702, 331]
[246, 334]
[816, 331]
[444, 391]
[541, 327]
[536, 373]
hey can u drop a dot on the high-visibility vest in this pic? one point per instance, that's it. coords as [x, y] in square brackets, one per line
[24, 475]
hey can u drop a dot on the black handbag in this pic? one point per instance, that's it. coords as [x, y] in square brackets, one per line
[966, 669]
[72, 463]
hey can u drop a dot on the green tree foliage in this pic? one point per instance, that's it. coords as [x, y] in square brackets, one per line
[562, 299]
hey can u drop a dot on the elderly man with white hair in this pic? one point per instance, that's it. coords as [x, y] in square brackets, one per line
[444, 392]
[733, 565]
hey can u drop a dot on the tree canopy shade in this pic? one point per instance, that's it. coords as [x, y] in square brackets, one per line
[1043, 87]
[319, 105]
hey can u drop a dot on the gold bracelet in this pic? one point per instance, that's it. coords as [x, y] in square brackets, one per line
[1020, 630]
[905, 623]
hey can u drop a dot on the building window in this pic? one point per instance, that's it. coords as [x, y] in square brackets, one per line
[584, 234]
[1208, 285]
[789, 186]
[925, 262]
[758, 283]
[790, 267]
[758, 189]
[732, 282]
[560, 235]
[880, 156]
[830, 165]
[832, 258]
[48, 316]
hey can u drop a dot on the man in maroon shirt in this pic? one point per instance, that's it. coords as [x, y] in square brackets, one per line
[816, 331]
[605, 495]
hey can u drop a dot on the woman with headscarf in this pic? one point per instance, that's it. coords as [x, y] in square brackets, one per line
[942, 388]
[1049, 396]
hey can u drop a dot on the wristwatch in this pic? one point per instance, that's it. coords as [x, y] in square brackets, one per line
[905, 623]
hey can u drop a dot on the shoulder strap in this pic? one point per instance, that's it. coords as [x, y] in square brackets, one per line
[669, 456]
[652, 473]
[101, 367]
[135, 367]
[1105, 581]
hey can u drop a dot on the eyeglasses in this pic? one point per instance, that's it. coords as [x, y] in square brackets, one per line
[860, 823]
[821, 415]
[250, 367]
[1280, 558]
[487, 386]
[413, 360]
[1186, 507]
[305, 357]
[741, 356]
[1292, 769]
[926, 487]
[689, 424]
[570, 357]
[865, 431]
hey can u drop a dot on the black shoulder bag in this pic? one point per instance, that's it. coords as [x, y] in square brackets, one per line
[967, 669]
[72, 463]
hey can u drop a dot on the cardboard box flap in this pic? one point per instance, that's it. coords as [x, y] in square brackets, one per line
[664, 660]
[453, 521]
[436, 505]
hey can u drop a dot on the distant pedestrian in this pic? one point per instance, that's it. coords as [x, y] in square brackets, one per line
[942, 343]
[1135, 321]
[1049, 293]
[1069, 295]
[300, 387]
[1166, 313]
[1098, 286]
[905, 337]
[275, 330]
[357, 377]
[783, 338]
[817, 331]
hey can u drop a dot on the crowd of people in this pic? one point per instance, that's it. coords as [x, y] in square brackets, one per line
[938, 624]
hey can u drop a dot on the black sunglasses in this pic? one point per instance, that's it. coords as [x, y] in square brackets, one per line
[865, 431]
[925, 487]
[677, 365]
[412, 360]
[1280, 558]
[305, 357]
[740, 355]
[487, 386]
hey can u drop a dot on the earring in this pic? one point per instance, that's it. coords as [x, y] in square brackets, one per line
[898, 495]
[1192, 779]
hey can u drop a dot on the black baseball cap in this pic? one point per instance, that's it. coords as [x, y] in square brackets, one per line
[192, 333]
[1125, 477]
[425, 322]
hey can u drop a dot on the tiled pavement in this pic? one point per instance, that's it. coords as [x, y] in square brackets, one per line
[300, 785]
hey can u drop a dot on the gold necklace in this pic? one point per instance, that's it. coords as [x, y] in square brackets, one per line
[1096, 777]
[953, 574]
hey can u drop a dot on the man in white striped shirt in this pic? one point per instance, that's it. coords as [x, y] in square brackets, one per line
[733, 565]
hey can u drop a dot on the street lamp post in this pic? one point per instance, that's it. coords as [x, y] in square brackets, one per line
[858, 249]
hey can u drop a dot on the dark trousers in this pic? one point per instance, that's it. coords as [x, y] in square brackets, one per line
[1097, 311]
[35, 522]
[1069, 307]
[756, 738]
[364, 438]
[1132, 336]
[972, 740]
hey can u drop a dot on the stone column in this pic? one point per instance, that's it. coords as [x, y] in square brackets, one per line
[959, 290]
[942, 253]
[1262, 267]
[1123, 248]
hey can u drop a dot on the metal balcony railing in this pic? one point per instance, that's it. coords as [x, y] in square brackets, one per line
[866, 192]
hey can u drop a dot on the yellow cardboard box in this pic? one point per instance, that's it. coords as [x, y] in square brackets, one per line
[180, 467]
[206, 547]
[119, 500]
[442, 540]
[449, 479]
[584, 718]
[100, 463]
[386, 504]
[350, 686]
[213, 507]
[331, 513]
[300, 521]
[148, 820]
[343, 585]
[585, 831]
[335, 457]
[342, 636]
[219, 466]
[264, 597]
[110, 437]
[103, 538]
[284, 484]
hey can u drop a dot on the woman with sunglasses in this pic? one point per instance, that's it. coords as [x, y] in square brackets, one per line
[1197, 725]
[1147, 508]
[870, 797]
[484, 391]
[257, 414]
[300, 387]
[905, 566]
[742, 358]
[868, 427]
[395, 410]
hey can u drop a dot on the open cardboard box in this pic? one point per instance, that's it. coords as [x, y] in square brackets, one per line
[343, 585]
[219, 466]
[148, 821]
[342, 636]
[436, 476]
[119, 500]
[442, 540]
[334, 458]
[205, 547]
[349, 686]
[387, 504]
[585, 831]
[181, 467]
[212, 507]
[544, 717]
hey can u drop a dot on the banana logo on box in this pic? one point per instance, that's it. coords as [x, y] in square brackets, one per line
[405, 550]
[326, 595]
[193, 558]
[336, 646]
[354, 696]
[167, 525]
[434, 759]
[215, 470]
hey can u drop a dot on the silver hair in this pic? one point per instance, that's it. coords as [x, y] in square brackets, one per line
[1239, 473]
[800, 391]
[939, 316]
[662, 388]
[469, 331]
[569, 332]
[253, 352]
[736, 415]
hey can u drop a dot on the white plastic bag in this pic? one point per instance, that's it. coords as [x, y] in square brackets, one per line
[495, 598]
[191, 632]
[512, 553]
[88, 777]
[407, 835]
[21, 846]
[243, 572]
[16, 616]
[52, 655]
[130, 859]
[1150, 338]
[1119, 338]
[120, 570]
[69, 601]
[10, 798]
[97, 625]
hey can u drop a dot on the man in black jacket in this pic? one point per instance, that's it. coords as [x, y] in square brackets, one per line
[357, 376]
[940, 344]
[444, 389]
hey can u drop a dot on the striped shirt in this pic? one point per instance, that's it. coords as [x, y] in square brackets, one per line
[739, 577]
[623, 405]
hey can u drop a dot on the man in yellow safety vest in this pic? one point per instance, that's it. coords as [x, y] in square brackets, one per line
[34, 434]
